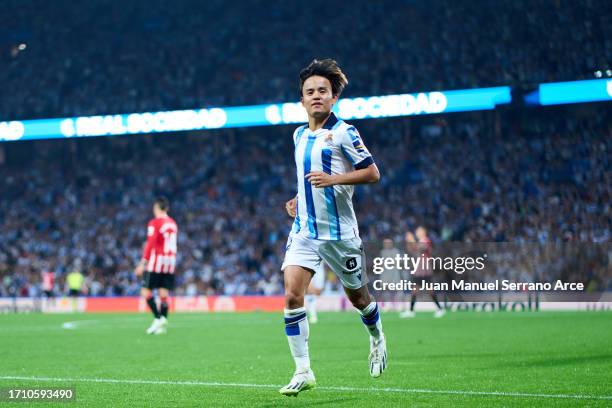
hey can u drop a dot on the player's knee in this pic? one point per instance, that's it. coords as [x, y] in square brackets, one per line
[360, 300]
[293, 299]
[361, 303]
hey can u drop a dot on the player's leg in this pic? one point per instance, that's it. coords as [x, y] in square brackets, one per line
[311, 303]
[346, 259]
[297, 279]
[300, 261]
[439, 309]
[163, 310]
[47, 299]
[164, 293]
[368, 308]
[147, 294]
[51, 298]
[74, 298]
[165, 286]
[370, 316]
[410, 312]
[314, 291]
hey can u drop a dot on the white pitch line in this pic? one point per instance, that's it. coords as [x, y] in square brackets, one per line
[324, 388]
[75, 323]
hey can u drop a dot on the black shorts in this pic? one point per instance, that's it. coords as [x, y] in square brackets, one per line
[74, 293]
[48, 293]
[155, 280]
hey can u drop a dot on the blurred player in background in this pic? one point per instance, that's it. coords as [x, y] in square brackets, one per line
[330, 158]
[158, 263]
[391, 274]
[317, 284]
[421, 246]
[75, 281]
[48, 282]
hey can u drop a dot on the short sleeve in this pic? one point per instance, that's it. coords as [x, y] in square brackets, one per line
[150, 230]
[297, 134]
[355, 150]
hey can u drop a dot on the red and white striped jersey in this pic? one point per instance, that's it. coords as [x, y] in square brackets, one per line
[424, 249]
[48, 280]
[160, 250]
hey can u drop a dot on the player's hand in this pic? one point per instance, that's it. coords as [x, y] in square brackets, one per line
[290, 206]
[139, 270]
[320, 179]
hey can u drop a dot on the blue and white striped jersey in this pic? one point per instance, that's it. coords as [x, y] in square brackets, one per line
[327, 213]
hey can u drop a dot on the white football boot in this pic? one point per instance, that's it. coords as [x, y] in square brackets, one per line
[157, 323]
[439, 313]
[406, 314]
[378, 356]
[162, 326]
[301, 381]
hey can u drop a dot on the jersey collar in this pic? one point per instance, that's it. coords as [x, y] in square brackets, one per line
[328, 125]
[330, 122]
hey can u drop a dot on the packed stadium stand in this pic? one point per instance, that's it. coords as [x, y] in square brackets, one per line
[518, 175]
[101, 57]
[90, 199]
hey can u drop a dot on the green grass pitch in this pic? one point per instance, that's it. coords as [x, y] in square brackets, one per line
[464, 359]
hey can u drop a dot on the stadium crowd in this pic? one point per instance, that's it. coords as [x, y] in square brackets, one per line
[538, 177]
[63, 58]
[471, 178]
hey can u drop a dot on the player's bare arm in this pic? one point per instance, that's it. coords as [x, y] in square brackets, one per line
[139, 270]
[362, 176]
[140, 267]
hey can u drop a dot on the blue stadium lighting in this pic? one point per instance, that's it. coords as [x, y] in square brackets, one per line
[422, 103]
[558, 93]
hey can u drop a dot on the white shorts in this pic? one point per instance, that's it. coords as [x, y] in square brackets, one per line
[345, 257]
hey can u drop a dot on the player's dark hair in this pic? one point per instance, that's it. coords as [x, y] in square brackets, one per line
[327, 68]
[163, 203]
